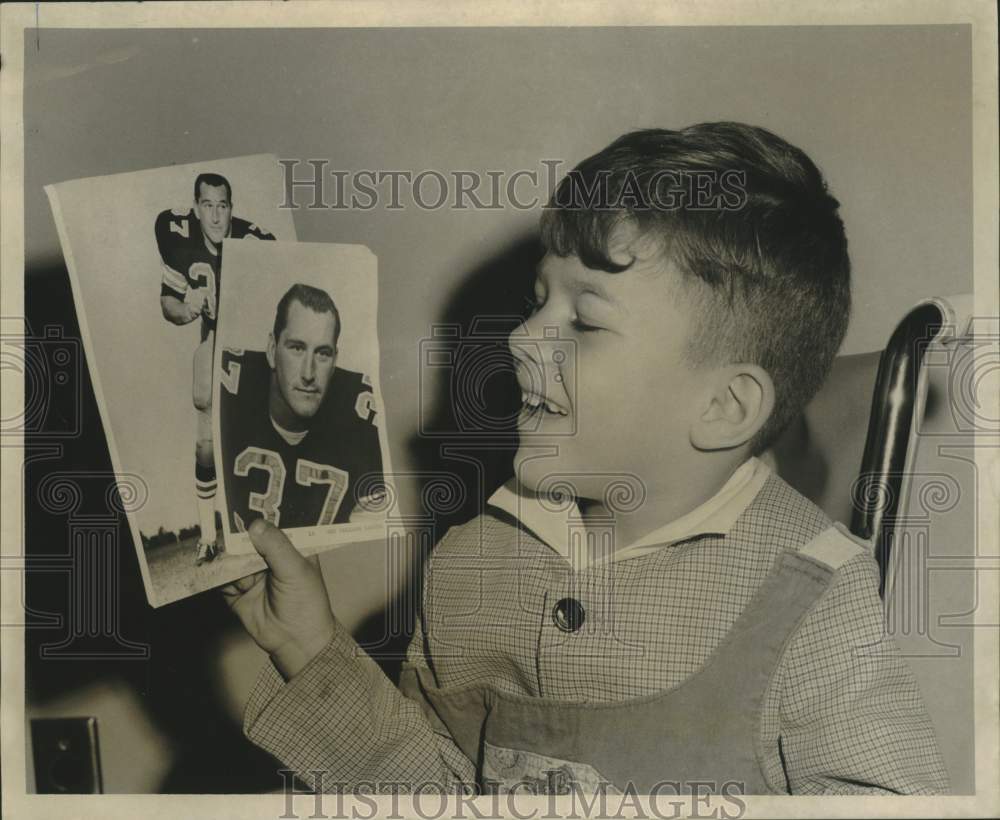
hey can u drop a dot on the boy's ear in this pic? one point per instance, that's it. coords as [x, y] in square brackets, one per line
[739, 403]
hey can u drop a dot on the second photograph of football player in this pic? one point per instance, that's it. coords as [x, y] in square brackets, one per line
[300, 431]
[298, 413]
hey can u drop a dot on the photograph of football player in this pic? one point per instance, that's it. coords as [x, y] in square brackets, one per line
[190, 245]
[298, 432]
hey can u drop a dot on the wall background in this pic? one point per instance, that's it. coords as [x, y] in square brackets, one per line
[884, 111]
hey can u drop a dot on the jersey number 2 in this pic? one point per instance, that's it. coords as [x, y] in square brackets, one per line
[307, 473]
[202, 276]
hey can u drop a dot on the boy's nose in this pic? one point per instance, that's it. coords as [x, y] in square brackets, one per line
[308, 369]
[539, 357]
[527, 365]
[520, 344]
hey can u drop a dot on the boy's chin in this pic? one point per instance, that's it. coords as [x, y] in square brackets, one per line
[562, 473]
[534, 470]
[547, 474]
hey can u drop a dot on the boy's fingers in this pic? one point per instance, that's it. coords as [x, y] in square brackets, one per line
[231, 594]
[274, 547]
[242, 585]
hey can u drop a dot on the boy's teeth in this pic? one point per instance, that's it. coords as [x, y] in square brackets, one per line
[533, 400]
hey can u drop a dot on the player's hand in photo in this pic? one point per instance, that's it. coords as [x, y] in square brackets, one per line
[285, 608]
[199, 302]
[208, 307]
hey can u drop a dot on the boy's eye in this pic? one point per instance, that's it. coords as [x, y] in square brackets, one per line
[583, 327]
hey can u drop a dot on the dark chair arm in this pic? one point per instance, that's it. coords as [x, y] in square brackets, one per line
[876, 494]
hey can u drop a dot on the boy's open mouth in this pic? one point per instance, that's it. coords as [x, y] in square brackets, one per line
[535, 401]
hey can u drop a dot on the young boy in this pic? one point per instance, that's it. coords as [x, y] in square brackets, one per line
[644, 606]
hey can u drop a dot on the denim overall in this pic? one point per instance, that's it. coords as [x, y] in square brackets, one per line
[704, 730]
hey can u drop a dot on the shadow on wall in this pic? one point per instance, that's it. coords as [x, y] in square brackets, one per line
[474, 411]
[465, 441]
[178, 686]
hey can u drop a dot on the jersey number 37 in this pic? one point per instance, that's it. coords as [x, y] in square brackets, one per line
[307, 473]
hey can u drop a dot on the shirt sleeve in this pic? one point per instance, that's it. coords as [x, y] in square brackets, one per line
[259, 233]
[241, 229]
[341, 715]
[173, 282]
[850, 716]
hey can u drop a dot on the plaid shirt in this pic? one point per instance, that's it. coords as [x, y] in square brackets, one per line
[843, 702]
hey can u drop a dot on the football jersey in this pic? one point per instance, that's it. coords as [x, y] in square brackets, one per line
[314, 482]
[190, 262]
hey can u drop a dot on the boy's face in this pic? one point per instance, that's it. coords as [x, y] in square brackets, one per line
[631, 398]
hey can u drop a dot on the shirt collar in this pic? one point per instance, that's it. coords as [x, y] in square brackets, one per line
[293, 438]
[560, 526]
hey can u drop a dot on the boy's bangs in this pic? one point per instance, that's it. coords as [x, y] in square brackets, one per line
[576, 230]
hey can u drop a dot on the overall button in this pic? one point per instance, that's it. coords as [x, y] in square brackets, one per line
[568, 614]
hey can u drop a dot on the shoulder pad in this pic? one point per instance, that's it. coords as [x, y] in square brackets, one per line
[349, 377]
[241, 229]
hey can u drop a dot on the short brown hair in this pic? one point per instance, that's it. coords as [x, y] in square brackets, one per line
[759, 239]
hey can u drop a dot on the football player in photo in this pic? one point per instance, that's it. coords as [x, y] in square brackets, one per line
[190, 245]
[298, 432]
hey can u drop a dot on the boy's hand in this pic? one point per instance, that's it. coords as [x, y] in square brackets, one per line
[285, 608]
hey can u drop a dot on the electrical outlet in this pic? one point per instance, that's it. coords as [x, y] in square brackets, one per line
[66, 755]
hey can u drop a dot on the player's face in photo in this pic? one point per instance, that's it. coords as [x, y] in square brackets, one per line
[630, 398]
[303, 359]
[214, 211]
